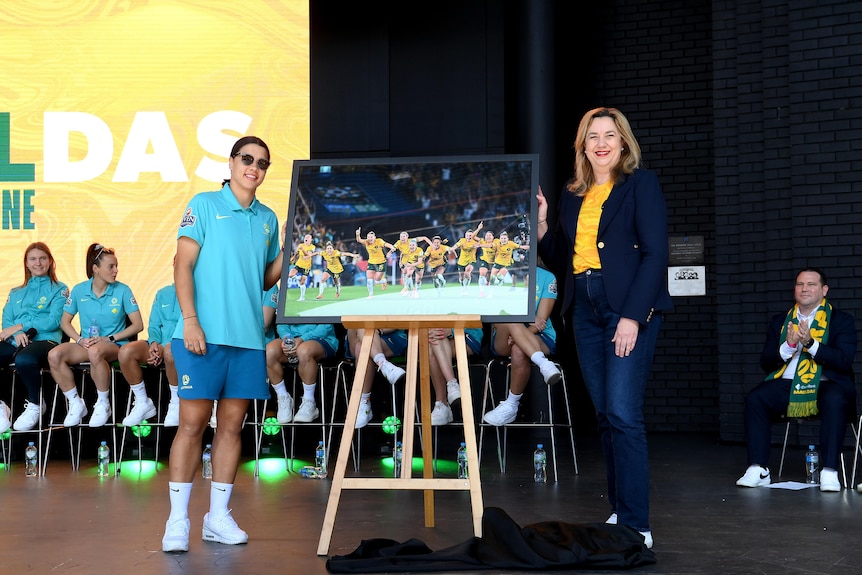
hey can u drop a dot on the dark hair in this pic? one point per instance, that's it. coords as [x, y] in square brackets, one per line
[52, 269]
[245, 140]
[817, 271]
[94, 254]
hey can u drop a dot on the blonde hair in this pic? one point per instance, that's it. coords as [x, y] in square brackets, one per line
[630, 158]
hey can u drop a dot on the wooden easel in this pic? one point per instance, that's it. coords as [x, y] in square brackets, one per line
[417, 357]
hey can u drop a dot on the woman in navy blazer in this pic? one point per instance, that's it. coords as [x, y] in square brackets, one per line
[609, 251]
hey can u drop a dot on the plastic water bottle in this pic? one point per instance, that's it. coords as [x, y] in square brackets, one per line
[812, 465]
[312, 472]
[94, 329]
[31, 460]
[320, 459]
[103, 459]
[207, 462]
[463, 472]
[397, 457]
[540, 464]
[291, 346]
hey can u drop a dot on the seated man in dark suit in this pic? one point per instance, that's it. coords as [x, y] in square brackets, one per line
[809, 355]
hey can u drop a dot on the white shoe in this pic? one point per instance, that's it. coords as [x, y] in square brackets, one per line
[307, 411]
[392, 372]
[223, 530]
[5, 415]
[647, 535]
[755, 476]
[453, 392]
[502, 414]
[172, 417]
[364, 415]
[141, 410]
[285, 408]
[829, 480]
[442, 414]
[176, 537]
[77, 411]
[550, 372]
[29, 418]
[101, 413]
[612, 520]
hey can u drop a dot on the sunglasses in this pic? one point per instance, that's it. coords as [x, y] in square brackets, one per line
[247, 159]
[102, 251]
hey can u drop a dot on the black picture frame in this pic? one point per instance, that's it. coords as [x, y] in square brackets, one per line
[425, 197]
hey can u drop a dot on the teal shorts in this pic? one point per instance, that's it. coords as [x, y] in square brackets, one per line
[223, 372]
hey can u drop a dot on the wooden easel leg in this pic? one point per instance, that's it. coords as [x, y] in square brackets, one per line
[346, 440]
[469, 431]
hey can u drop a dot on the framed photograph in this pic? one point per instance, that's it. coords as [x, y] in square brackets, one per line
[410, 236]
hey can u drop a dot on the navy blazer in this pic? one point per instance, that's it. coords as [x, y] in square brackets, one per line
[632, 243]
[836, 355]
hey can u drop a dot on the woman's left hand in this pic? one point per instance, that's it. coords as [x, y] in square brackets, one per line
[626, 336]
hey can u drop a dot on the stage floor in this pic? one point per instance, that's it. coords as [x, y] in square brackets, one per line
[75, 522]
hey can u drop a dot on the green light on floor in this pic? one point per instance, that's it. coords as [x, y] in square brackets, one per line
[443, 466]
[272, 469]
[137, 470]
[142, 430]
[6, 435]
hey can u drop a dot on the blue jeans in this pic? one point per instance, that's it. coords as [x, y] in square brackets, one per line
[616, 386]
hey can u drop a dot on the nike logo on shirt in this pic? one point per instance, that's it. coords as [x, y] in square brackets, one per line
[221, 217]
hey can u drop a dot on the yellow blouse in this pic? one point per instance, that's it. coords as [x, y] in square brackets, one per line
[586, 253]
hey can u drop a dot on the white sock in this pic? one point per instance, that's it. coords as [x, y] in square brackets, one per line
[379, 359]
[320, 290]
[366, 398]
[175, 393]
[219, 498]
[180, 494]
[308, 391]
[538, 358]
[140, 391]
[279, 388]
[71, 394]
[370, 285]
[302, 290]
[514, 398]
[103, 396]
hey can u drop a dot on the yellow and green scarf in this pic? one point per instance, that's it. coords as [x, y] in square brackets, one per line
[806, 380]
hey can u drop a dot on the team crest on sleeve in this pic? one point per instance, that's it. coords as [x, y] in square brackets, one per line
[188, 219]
[133, 301]
[274, 297]
[66, 293]
[552, 287]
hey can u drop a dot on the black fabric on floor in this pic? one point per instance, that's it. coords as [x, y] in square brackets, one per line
[506, 545]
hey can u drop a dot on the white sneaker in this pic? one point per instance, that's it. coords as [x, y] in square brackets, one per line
[612, 519]
[141, 410]
[755, 476]
[76, 412]
[285, 408]
[364, 415]
[550, 373]
[829, 480]
[502, 414]
[5, 414]
[453, 391]
[223, 530]
[442, 414]
[647, 535]
[392, 372]
[307, 411]
[176, 537]
[30, 418]
[101, 413]
[172, 417]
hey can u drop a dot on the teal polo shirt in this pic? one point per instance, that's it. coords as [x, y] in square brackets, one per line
[236, 245]
[164, 316]
[110, 310]
[39, 304]
[270, 299]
